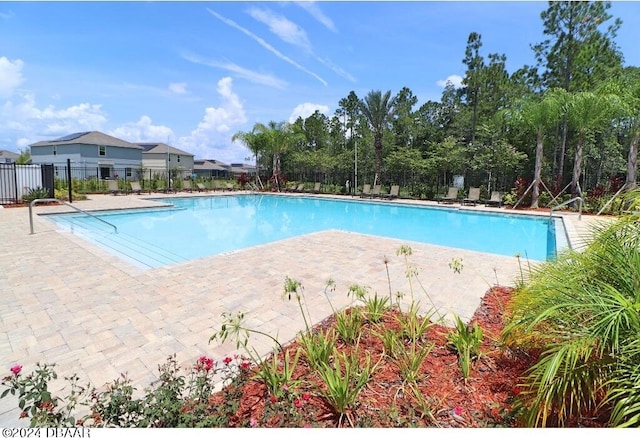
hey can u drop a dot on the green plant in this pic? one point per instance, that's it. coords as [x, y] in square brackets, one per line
[37, 193]
[318, 346]
[348, 324]
[344, 379]
[582, 310]
[36, 400]
[466, 342]
[409, 359]
[276, 374]
[413, 326]
[391, 340]
[176, 400]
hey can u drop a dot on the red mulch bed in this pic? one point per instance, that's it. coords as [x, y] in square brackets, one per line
[486, 399]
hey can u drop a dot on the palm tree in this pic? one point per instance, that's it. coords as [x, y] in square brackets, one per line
[538, 115]
[277, 139]
[582, 311]
[587, 113]
[378, 109]
[252, 141]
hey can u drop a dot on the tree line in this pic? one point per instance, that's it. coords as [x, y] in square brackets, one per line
[568, 123]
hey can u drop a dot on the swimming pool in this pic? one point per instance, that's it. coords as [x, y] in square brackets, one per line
[196, 227]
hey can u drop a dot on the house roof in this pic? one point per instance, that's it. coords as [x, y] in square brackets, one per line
[92, 137]
[162, 148]
[209, 165]
[9, 154]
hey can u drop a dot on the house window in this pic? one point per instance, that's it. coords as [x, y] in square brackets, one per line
[178, 158]
[55, 151]
[103, 151]
[128, 172]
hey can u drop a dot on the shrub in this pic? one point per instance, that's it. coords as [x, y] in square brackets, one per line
[37, 193]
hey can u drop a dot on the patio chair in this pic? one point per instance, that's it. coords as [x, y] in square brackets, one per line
[112, 186]
[136, 188]
[393, 193]
[216, 185]
[496, 199]
[316, 188]
[186, 186]
[299, 188]
[472, 198]
[230, 187]
[366, 191]
[375, 192]
[450, 197]
[201, 187]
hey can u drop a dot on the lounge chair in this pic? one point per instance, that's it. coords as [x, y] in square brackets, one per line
[375, 193]
[316, 188]
[136, 188]
[366, 191]
[112, 186]
[393, 193]
[472, 198]
[230, 187]
[496, 199]
[450, 197]
[201, 187]
[186, 186]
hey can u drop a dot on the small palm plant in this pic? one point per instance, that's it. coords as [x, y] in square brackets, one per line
[583, 310]
[466, 341]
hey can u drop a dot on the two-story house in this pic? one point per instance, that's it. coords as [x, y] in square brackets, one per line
[92, 153]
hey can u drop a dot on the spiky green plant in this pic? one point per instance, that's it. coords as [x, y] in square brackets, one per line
[583, 310]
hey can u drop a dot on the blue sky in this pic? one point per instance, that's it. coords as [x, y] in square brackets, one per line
[192, 74]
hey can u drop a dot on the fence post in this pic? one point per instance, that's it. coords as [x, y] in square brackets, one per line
[69, 180]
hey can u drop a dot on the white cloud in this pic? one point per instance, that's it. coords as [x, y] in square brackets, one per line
[143, 131]
[266, 45]
[27, 118]
[10, 76]
[25, 123]
[286, 30]
[455, 80]
[212, 138]
[304, 110]
[178, 87]
[313, 9]
[251, 76]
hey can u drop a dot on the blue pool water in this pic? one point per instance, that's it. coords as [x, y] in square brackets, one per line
[203, 226]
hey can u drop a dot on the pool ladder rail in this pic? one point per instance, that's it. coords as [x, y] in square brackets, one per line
[577, 198]
[41, 200]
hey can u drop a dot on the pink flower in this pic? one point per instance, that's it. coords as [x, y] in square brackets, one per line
[244, 365]
[16, 369]
[306, 396]
[253, 422]
[273, 399]
[297, 403]
[227, 360]
[285, 388]
[457, 410]
[205, 363]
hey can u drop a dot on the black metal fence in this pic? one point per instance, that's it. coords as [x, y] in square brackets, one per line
[21, 183]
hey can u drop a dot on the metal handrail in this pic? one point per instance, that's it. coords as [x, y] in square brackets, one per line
[37, 201]
[577, 198]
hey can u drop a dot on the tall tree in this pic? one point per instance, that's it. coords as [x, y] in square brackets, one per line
[538, 115]
[472, 80]
[403, 123]
[588, 112]
[378, 109]
[577, 54]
